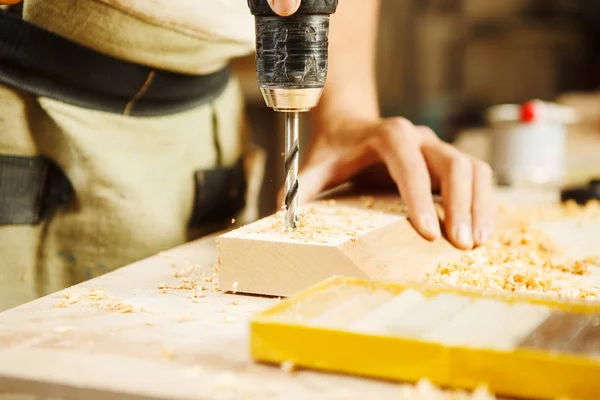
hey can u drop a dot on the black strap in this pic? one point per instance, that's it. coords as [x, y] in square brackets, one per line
[45, 64]
[30, 189]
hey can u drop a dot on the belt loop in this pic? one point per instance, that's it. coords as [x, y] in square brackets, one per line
[139, 93]
[216, 135]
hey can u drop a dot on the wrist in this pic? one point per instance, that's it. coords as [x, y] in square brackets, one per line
[339, 120]
[340, 105]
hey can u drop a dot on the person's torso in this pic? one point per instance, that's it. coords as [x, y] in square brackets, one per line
[189, 36]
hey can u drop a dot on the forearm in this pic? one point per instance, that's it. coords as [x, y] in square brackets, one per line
[351, 89]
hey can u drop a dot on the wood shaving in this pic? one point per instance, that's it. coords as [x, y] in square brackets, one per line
[186, 284]
[522, 259]
[196, 296]
[321, 223]
[97, 298]
[395, 206]
[288, 367]
[555, 212]
[191, 278]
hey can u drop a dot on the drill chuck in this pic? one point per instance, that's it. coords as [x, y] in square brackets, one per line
[292, 53]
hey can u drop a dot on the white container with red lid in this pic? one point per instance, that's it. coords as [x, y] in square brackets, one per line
[528, 146]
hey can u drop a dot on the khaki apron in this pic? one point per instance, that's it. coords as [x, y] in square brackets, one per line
[133, 177]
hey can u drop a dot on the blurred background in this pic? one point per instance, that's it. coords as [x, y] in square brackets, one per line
[442, 63]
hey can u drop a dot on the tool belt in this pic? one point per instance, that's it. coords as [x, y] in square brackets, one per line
[41, 63]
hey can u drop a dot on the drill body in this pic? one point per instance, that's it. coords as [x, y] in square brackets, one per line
[291, 67]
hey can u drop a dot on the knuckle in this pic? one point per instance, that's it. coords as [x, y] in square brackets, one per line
[427, 133]
[393, 131]
[398, 124]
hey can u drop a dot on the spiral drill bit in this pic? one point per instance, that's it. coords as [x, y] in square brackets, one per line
[291, 67]
[292, 148]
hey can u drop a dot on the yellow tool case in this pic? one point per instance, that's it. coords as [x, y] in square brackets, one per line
[517, 345]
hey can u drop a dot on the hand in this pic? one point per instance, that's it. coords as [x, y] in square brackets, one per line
[417, 162]
[284, 7]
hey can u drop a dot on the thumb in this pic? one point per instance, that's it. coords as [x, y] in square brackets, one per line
[284, 7]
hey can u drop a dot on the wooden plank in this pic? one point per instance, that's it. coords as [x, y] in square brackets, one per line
[355, 237]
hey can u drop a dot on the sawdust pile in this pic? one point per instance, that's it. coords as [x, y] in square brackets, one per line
[523, 259]
[568, 210]
[96, 298]
[191, 278]
[322, 222]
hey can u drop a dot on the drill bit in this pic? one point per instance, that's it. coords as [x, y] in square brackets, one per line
[292, 149]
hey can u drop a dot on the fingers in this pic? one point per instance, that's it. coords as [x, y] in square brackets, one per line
[457, 195]
[284, 7]
[467, 194]
[398, 145]
[484, 205]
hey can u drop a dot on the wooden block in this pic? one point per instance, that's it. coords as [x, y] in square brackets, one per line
[356, 237]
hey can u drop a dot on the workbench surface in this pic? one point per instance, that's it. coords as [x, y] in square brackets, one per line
[176, 347]
[144, 331]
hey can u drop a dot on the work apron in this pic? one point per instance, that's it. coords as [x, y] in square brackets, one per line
[124, 186]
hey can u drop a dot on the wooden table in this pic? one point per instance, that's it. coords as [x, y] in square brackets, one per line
[176, 348]
[177, 342]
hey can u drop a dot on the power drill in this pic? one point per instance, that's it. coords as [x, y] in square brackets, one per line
[291, 67]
